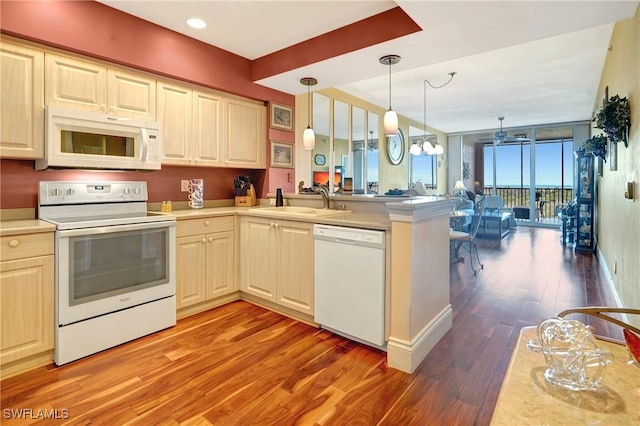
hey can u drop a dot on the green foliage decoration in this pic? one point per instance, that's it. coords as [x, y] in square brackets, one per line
[596, 145]
[615, 119]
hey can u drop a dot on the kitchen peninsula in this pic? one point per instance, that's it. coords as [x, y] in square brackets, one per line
[417, 309]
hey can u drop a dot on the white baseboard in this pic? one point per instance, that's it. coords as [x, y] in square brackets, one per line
[406, 356]
[605, 270]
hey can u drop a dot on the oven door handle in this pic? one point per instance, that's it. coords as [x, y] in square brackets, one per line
[116, 228]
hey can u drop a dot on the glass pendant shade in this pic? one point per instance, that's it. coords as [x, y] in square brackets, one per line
[415, 149]
[308, 138]
[390, 123]
[438, 150]
[428, 148]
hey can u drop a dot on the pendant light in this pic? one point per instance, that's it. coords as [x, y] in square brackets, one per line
[308, 136]
[426, 146]
[390, 117]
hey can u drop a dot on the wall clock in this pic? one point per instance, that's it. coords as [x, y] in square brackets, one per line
[395, 147]
[320, 159]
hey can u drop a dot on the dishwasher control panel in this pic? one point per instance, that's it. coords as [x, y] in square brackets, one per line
[354, 235]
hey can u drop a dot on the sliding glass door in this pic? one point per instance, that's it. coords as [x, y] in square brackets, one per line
[532, 171]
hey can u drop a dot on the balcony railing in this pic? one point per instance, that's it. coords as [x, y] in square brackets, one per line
[546, 197]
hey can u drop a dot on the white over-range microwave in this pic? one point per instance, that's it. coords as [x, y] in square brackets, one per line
[85, 139]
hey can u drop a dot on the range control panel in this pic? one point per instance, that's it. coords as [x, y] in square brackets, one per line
[58, 192]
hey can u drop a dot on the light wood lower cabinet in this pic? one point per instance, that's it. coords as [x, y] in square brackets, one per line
[276, 262]
[205, 257]
[26, 301]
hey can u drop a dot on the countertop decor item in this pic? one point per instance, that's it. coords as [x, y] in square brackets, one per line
[196, 193]
[575, 362]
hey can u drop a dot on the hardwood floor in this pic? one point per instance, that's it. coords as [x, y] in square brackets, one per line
[240, 364]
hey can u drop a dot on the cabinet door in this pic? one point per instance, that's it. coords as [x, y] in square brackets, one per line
[73, 83]
[174, 114]
[21, 112]
[191, 270]
[295, 266]
[220, 264]
[258, 258]
[207, 110]
[245, 134]
[26, 303]
[131, 95]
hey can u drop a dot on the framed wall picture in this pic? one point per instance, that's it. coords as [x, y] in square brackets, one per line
[281, 154]
[281, 117]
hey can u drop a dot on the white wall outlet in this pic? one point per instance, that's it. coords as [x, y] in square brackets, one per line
[184, 185]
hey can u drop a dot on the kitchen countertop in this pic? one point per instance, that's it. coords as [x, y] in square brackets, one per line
[527, 399]
[350, 219]
[24, 226]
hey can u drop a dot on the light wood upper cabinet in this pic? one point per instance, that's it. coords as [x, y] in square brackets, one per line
[74, 83]
[245, 134]
[207, 129]
[175, 117]
[206, 266]
[21, 102]
[277, 262]
[131, 95]
[26, 300]
[79, 84]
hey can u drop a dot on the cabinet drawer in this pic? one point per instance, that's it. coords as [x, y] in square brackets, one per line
[204, 225]
[27, 245]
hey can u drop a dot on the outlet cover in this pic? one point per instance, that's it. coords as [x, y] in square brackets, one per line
[184, 185]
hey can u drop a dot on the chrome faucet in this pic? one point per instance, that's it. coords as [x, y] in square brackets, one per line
[325, 195]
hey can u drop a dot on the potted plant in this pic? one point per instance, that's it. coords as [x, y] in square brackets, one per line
[615, 119]
[596, 145]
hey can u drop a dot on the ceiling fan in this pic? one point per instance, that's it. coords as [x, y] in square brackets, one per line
[501, 136]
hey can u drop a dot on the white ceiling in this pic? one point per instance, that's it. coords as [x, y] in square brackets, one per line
[532, 62]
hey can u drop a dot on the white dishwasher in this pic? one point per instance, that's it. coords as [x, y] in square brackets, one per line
[349, 279]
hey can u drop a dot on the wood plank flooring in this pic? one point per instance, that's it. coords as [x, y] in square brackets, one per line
[240, 364]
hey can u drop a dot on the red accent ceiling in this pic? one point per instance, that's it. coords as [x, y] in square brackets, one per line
[376, 29]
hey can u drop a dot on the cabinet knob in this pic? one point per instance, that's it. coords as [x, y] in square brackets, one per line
[272, 224]
[206, 223]
[14, 243]
[210, 239]
[277, 225]
[204, 240]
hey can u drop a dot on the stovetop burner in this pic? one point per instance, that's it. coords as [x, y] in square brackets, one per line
[75, 205]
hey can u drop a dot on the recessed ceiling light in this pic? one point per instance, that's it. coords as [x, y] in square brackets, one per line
[196, 23]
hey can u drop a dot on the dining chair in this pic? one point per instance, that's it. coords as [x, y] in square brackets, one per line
[459, 238]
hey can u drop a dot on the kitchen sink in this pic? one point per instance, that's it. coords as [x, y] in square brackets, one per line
[304, 211]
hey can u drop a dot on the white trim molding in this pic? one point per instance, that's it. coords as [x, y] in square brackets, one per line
[406, 356]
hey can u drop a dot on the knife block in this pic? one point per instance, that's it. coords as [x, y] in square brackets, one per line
[247, 200]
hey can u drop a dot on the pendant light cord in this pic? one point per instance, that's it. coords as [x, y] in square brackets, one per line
[389, 84]
[451, 75]
[309, 109]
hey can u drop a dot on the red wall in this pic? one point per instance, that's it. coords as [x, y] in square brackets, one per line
[20, 181]
[93, 29]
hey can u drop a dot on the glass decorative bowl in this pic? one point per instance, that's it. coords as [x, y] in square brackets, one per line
[570, 351]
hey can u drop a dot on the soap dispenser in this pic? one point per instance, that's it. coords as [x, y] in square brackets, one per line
[279, 199]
